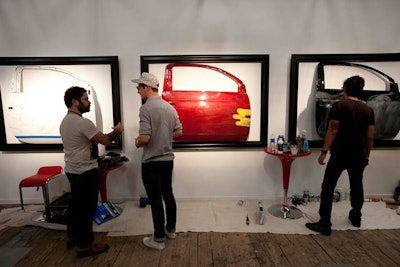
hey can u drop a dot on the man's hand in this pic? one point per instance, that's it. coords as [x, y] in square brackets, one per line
[137, 142]
[119, 128]
[321, 158]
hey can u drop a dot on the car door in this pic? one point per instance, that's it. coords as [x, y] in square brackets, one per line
[209, 112]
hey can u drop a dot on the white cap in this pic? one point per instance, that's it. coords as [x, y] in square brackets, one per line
[147, 79]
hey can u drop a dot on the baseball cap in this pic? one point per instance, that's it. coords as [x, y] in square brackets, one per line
[147, 79]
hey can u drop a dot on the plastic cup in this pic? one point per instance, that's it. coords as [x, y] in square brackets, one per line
[294, 149]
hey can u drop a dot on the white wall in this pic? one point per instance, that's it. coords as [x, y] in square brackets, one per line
[130, 29]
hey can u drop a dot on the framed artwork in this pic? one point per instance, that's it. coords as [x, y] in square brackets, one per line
[316, 81]
[221, 100]
[32, 98]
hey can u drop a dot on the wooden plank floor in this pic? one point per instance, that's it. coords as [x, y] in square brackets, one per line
[342, 248]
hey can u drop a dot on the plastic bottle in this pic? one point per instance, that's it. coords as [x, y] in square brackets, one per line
[272, 144]
[260, 214]
[305, 141]
[281, 141]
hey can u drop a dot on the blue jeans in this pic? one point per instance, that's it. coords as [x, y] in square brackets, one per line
[157, 180]
[335, 167]
[84, 197]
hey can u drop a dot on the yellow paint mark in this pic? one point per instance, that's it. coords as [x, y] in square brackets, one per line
[243, 117]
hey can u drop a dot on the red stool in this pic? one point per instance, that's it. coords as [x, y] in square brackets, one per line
[41, 179]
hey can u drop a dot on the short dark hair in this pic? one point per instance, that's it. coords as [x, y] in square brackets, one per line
[354, 85]
[74, 92]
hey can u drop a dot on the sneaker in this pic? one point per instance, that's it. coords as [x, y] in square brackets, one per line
[93, 250]
[170, 233]
[316, 227]
[149, 242]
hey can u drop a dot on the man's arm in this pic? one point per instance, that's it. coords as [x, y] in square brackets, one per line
[106, 139]
[177, 133]
[142, 140]
[329, 137]
[370, 139]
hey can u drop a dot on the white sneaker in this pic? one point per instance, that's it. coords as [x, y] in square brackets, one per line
[149, 242]
[170, 235]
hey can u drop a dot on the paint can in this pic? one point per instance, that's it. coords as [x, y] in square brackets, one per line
[142, 202]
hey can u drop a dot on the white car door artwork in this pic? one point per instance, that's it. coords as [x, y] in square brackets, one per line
[33, 103]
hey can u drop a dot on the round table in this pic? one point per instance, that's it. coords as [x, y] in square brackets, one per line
[284, 210]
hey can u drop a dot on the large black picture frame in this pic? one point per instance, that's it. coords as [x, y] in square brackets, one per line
[98, 74]
[258, 96]
[258, 138]
[303, 83]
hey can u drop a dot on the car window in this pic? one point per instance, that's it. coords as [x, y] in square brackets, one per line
[201, 79]
[335, 75]
[35, 103]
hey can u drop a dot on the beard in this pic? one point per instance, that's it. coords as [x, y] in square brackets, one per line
[82, 109]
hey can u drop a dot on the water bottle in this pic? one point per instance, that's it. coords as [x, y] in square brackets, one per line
[272, 145]
[260, 214]
[305, 141]
[281, 141]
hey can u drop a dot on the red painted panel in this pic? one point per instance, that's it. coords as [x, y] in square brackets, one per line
[209, 116]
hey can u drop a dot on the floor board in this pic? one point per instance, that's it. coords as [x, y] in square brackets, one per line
[348, 248]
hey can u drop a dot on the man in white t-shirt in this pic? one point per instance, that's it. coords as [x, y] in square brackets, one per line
[80, 139]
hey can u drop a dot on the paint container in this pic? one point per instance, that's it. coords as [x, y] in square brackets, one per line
[336, 196]
[347, 195]
[341, 194]
[142, 201]
[306, 196]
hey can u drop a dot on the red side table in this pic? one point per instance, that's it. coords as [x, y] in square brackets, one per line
[103, 180]
[284, 210]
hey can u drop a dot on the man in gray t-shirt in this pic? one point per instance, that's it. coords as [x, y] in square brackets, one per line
[80, 138]
[159, 124]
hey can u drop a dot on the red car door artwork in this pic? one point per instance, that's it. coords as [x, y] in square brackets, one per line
[209, 116]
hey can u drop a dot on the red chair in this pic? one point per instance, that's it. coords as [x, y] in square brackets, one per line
[41, 179]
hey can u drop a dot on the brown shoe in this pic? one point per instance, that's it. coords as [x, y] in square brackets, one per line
[94, 250]
[70, 243]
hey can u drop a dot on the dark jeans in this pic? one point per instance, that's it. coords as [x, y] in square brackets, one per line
[84, 196]
[157, 180]
[334, 169]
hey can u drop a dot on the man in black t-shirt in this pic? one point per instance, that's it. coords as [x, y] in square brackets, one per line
[349, 138]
